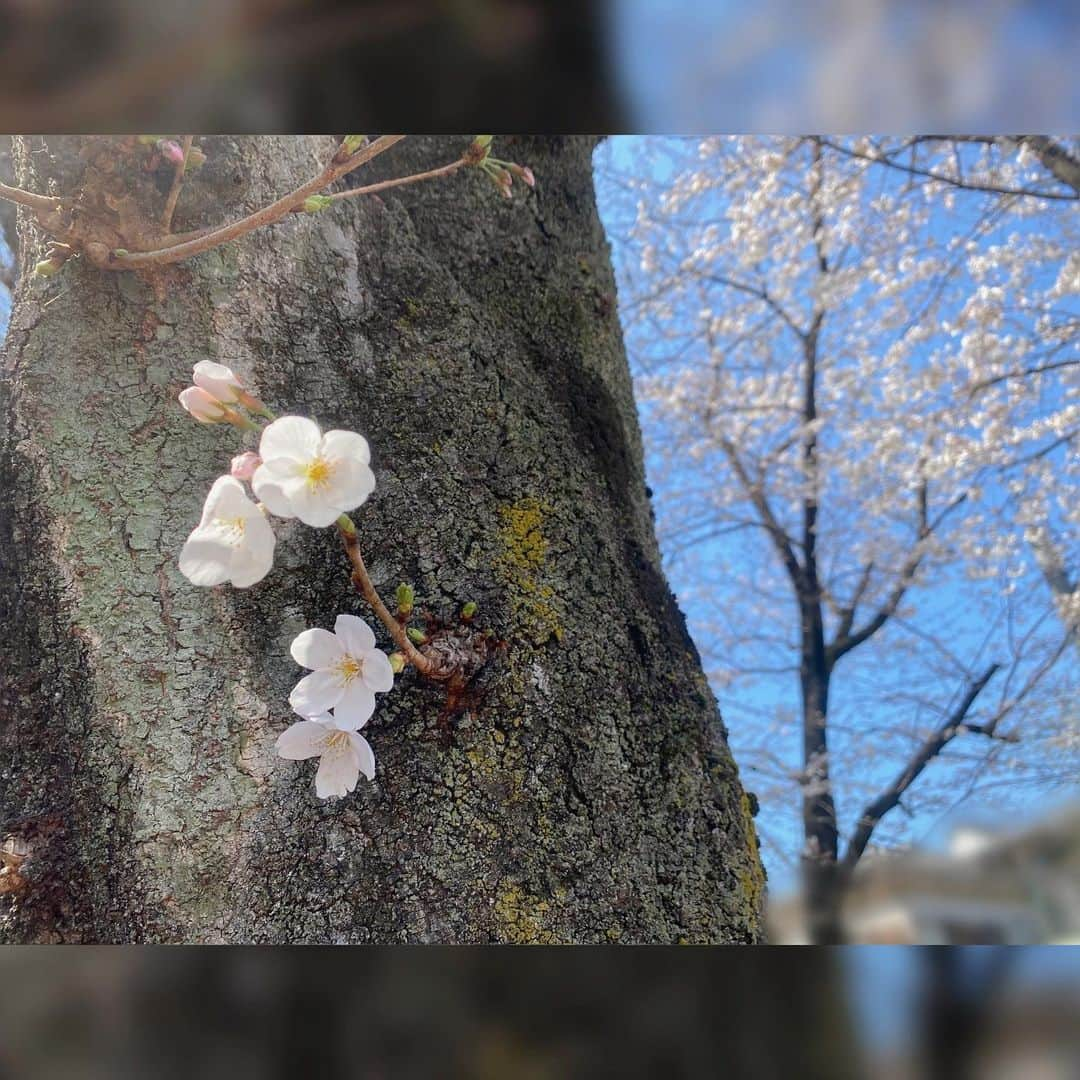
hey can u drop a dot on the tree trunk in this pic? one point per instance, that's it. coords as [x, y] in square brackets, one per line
[587, 793]
[821, 880]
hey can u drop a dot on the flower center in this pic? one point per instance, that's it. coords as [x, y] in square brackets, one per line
[234, 528]
[349, 668]
[318, 473]
[337, 740]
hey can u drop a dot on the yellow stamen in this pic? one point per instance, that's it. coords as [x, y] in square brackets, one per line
[349, 669]
[234, 525]
[336, 740]
[318, 473]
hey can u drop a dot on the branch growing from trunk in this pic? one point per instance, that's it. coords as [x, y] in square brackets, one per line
[268, 215]
[846, 639]
[361, 579]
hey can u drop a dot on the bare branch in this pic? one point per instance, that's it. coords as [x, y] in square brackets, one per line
[178, 180]
[843, 644]
[28, 198]
[266, 216]
[777, 534]
[941, 178]
[888, 799]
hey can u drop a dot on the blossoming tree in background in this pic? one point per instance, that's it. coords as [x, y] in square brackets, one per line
[858, 365]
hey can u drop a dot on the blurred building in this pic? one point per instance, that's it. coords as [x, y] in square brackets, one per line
[1016, 888]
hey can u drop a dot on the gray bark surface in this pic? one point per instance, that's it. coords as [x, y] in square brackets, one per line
[587, 794]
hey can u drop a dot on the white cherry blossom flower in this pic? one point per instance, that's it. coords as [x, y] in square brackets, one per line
[346, 672]
[309, 475]
[232, 542]
[203, 406]
[343, 753]
[218, 381]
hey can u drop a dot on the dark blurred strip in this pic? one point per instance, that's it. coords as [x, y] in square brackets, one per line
[423, 1012]
[273, 65]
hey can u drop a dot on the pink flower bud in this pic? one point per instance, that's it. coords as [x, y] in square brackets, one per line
[524, 173]
[244, 465]
[205, 408]
[218, 381]
[171, 151]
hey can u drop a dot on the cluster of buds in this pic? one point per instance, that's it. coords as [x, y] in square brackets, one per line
[218, 397]
[501, 172]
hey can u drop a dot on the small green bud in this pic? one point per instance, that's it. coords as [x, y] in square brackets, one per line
[314, 203]
[48, 267]
[351, 143]
[478, 151]
[196, 158]
[417, 637]
[397, 662]
[405, 599]
[468, 611]
[346, 525]
[120, 252]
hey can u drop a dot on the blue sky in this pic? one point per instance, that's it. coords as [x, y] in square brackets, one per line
[686, 66]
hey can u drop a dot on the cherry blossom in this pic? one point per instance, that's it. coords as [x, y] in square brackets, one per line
[346, 672]
[202, 405]
[309, 475]
[343, 753]
[233, 541]
[218, 381]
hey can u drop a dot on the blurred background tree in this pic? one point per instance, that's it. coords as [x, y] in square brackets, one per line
[857, 368]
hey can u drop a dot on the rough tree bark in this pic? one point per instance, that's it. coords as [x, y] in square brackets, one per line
[588, 794]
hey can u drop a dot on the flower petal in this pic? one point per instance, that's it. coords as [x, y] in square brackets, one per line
[355, 707]
[294, 437]
[316, 648]
[304, 739]
[217, 380]
[253, 557]
[311, 505]
[205, 560]
[338, 772]
[225, 499]
[364, 754]
[345, 445]
[269, 491]
[355, 634]
[349, 485]
[317, 692]
[378, 674]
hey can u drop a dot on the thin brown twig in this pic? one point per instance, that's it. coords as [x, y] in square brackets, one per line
[400, 181]
[175, 239]
[29, 198]
[178, 180]
[363, 582]
[268, 215]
